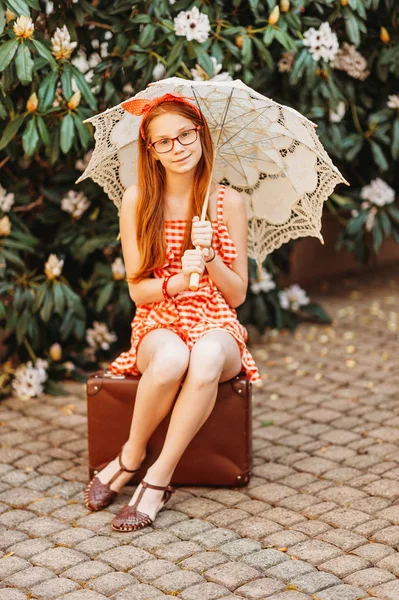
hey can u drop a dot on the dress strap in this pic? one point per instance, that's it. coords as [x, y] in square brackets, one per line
[220, 203]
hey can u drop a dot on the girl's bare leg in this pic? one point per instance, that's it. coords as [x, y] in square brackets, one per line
[163, 359]
[214, 358]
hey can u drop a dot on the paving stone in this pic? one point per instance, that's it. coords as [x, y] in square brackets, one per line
[140, 591]
[54, 588]
[260, 588]
[387, 488]
[42, 526]
[204, 591]
[42, 483]
[369, 577]
[271, 492]
[155, 568]
[177, 551]
[185, 530]
[389, 536]
[342, 592]
[343, 539]
[255, 527]
[124, 557]
[175, 582]
[344, 565]
[29, 547]
[224, 518]
[314, 551]
[73, 536]
[285, 539]
[31, 577]
[155, 540]
[211, 540]
[373, 552]
[232, 575]
[390, 563]
[87, 570]
[347, 518]
[198, 507]
[367, 529]
[289, 595]
[238, 548]
[264, 559]
[202, 561]
[9, 537]
[111, 582]
[12, 518]
[95, 520]
[315, 582]
[83, 595]
[96, 545]
[12, 594]
[287, 571]
[59, 559]
[12, 564]
[283, 516]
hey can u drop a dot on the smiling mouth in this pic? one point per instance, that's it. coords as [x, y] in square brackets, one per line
[182, 159]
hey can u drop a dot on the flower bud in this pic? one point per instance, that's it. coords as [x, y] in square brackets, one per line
[74, 100]
[55, 352]
[239, 40]
[384, 35]
[31, 105]
[5, 226]
[344, 2]
[23, 27]
[274, 16]
[284, 5]
[10, 16]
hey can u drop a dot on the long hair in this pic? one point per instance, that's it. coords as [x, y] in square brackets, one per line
[151, 187]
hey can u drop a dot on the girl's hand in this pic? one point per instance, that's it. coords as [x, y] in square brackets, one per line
[201, 233]
[193, 261]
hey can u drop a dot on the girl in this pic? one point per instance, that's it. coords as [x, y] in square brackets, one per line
[177, 334]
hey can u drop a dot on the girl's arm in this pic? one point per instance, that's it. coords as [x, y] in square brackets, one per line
[233, 282]
[147, 290]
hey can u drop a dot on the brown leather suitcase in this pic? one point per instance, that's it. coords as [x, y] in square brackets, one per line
[219, 454]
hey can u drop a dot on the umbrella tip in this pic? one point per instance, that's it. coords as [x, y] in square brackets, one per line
[321, 239]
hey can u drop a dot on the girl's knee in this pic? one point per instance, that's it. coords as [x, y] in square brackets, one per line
[206, 362]
[169, 364]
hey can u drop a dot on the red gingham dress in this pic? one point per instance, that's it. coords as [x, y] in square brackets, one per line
[189, 314]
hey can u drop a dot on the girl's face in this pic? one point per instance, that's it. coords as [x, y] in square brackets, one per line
[181, 158]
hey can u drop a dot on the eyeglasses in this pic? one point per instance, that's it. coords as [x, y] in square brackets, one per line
[166, 144]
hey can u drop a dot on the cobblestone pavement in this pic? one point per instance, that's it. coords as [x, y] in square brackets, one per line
[319, 519]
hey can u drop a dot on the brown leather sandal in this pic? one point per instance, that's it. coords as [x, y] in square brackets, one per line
[99, 495]
[131, 519]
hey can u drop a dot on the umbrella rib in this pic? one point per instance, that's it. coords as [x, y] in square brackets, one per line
[242, 129]
[196, 96]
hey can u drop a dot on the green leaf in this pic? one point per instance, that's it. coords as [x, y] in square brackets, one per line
[46, 93]
[19, 7]
[59, 298]
[83, 130]
[266, 423]
[84, 87]
[352, 27]
[395, 139]
[45, 53]
[66, 81]
[11, 130]
[104, 296]
[53, 388]
[67, 133]
[24, 64]
[43, 131]
[30, 137]
[377, 235]
[246, 50]
[147, 35]
[316, 312]
[45, 311]
[385, 223]
[379, 156]
[203, 59]
[7, 51]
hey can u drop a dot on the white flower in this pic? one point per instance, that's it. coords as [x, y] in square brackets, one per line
[53, 266]
[118, 269]
[49, 7]
[354, 213]
[6, 200]
[172, 1]
[393, 101]
[82, 163]
[23, 27]
[322, 42]
[192, 24]
[293, 297]
[158, 72]
[80, 61]
[336, 117]
[85, 66]
[104, 49]
[99, 336]
[28, 379]
[264, 284]
[128, 88]
[75, 203]
[61, 45]
[378, 192]
[200, 75]
[108, 35]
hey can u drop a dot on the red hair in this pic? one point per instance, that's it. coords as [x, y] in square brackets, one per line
[151, 188]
